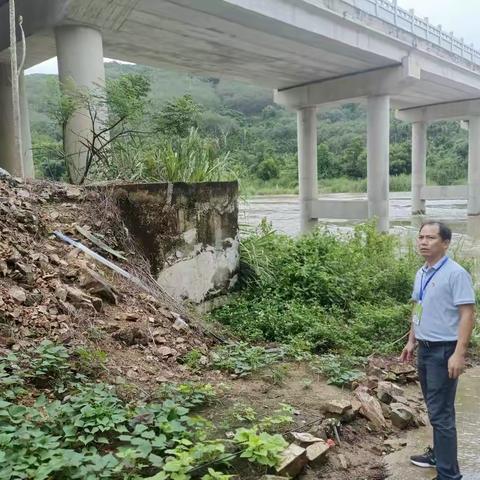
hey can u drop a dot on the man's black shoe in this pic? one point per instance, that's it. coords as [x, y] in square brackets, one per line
[427, 460]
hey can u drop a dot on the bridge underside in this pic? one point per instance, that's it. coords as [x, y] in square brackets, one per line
[313, 54]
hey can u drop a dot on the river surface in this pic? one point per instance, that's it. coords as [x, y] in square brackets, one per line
[283, 212]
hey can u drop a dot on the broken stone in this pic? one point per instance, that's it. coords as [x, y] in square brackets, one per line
[292, 461]
[18, 294]
[72, 193]
[337, 406]
[165, 351]
[387, 392]
[317, 452]
[343, 461]
[386, 410]
[304, 437]
[271, 477]
[181, 325]
[132, 336]
[97, 285]
[401, 415]
[401, 369]
[127, 316]
[371, 408]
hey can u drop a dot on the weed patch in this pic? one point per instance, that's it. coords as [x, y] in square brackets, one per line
[56, 423]
[324, 293]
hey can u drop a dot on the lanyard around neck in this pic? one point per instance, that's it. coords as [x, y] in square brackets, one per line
[424, 287]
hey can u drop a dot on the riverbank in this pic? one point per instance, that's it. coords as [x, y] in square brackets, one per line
[252, 187]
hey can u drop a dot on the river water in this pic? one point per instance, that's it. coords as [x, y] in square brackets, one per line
[283, 212]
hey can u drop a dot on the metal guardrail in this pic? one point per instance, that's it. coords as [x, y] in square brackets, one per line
[390, 12]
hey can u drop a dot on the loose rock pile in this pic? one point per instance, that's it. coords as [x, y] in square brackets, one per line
[49, 289]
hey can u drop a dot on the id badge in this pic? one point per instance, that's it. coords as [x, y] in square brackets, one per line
[417, 313]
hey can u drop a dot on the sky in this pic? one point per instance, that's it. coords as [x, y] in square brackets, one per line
[459, 16]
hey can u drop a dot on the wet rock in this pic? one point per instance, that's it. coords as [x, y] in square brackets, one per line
[401, 415]
[293, 460]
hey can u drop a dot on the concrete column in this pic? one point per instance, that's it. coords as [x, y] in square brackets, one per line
[419, 166]
[8, 155]
[28, 166]
[307, 165]
[473, 206]
[80, 67]
[378, 146]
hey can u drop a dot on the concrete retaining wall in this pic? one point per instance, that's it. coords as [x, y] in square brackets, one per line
[188, 232]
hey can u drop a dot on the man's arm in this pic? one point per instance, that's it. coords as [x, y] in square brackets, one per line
[456, 363]
[407, 352]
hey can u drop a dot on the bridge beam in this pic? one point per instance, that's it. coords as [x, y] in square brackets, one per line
[307, 165]
[378, 149]
[80, 68]
[8, 156]
[473, 206]
[419, 166]
[381, 81]
[459, 110]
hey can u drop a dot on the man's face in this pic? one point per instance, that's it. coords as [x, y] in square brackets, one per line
[430, 243]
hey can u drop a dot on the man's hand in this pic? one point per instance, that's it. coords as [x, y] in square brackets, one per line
[407, 352]
[456, 365]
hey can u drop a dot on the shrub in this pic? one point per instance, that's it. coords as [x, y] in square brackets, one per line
[347, 293]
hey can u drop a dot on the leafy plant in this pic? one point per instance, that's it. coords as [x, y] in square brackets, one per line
[339, 370]
[262, 447]
[242, 358]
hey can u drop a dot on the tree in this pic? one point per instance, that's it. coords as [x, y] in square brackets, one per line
[267, 169]
[178, 116]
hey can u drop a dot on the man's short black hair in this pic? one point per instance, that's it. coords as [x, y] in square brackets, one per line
[444, 231]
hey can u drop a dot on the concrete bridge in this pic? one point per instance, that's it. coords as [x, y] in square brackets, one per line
[312, 53]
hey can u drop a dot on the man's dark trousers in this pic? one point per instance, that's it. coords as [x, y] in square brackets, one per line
[439, 394]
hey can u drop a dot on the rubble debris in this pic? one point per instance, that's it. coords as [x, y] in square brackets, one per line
[371, 408]
[293, 460]
[305, 437]
[387, 392]
[317, 452]
[50, 289]
[337, 406]
[401, 415]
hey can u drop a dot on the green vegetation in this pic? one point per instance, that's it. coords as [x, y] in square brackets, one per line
[334, 294]
[57, 423]
[173, 126]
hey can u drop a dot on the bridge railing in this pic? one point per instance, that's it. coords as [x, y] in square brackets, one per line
[390, 12]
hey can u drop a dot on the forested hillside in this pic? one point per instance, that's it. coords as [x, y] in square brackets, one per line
[245, 134]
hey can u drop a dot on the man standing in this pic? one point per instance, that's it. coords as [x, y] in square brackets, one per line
[442, 324]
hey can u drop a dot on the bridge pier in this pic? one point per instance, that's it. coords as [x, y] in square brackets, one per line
[80, 68]
[378, 149]
[473, 206]
[8, 156]
[419, 166]
[307, 165]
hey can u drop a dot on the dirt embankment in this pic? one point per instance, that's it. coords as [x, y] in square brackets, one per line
[49, 289]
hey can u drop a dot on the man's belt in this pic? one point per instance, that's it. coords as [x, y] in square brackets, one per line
[428, 344]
